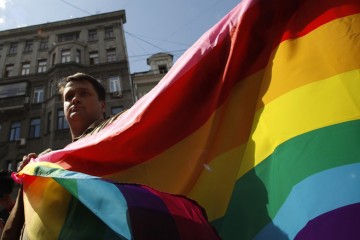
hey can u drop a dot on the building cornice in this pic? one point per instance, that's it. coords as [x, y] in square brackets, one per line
[64, 24]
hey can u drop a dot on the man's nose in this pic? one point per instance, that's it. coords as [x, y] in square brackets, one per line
[75, 99]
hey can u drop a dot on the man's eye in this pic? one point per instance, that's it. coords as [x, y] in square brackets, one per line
[69, 97]
[84, 93]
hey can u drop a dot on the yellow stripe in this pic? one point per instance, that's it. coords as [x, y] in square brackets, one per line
[310, 107]
[45, 205]
[327, 51]
[214, 187]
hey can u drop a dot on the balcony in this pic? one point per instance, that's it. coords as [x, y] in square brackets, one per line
[19, 103]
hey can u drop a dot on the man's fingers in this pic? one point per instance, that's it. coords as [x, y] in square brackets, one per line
[26, 160]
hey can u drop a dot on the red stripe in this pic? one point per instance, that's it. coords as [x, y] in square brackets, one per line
[311, 16]
[190, 218]
[187, 100]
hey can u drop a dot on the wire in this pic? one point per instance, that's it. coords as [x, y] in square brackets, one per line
[145, 41]
[162, 40]
[76, 7]
[196, 17]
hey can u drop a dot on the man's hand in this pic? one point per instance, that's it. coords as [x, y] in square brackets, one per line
[26, 160]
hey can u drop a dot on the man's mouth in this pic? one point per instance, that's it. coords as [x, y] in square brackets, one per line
[75, 109]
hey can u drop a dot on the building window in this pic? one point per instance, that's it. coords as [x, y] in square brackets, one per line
[38, 95]
[25, 69]
[114, 84]
[13, 48]
[111, 55]
[14, 131]
[78, 56]
[109, 32]
[9, 166]
[42, 65]
[68, 37]
[34, 131]
[44, 44]
[1, 50]
[62, 123]
[94, 58]
[116, 110]
[93, 35]
[49, 122]
[163, 69]
[28, 46]
[53, 88]
[9, 70]
[65, 56]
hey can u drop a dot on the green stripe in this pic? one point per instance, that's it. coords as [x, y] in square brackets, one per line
[80, 222]
[259, 194]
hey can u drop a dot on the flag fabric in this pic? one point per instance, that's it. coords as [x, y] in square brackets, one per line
[258, 122]
[92, 208]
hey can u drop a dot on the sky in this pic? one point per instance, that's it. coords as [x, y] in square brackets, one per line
[151, 26]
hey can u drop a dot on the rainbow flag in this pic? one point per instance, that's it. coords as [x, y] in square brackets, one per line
[258, 122]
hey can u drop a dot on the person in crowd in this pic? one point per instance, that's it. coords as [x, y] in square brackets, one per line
[6, 202]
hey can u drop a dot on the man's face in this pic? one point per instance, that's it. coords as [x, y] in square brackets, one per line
[81, 105]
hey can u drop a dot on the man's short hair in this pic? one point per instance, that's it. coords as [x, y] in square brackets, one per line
[99, 88]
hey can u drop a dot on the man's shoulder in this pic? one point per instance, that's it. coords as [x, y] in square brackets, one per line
[101, 124]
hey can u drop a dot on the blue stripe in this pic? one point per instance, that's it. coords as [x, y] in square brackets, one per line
[106, 201]
[101, 197]
[316, 195]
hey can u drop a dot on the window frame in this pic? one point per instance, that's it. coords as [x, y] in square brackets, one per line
[92, 35]
[15, 131]
[13, 48]
[42, 65]
[94, 60]
[111, 55]
[65, 55]
[25, 68]
[44, 44]
[28, 46]
[61, 120]
[78, 56]
[109, 32]
[9, 70]
[35, 129]
[114, 84]
[67, 37]
[39, 93]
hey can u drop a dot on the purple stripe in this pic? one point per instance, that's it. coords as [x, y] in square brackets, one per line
[342, 223]
[149, 216]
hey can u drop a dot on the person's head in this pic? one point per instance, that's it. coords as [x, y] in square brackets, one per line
[84, 101]
[6, 183]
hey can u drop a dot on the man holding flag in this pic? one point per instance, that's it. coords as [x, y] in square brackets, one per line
[84, 107]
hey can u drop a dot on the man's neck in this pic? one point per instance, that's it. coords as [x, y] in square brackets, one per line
[76, 135]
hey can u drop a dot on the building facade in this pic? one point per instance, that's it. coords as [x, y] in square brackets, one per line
[34, 59]
[143, 82]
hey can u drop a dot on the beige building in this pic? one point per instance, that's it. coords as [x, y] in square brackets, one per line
[32, 61]
[143, 82]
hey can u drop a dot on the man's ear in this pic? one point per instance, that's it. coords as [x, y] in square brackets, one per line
[103, 106]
